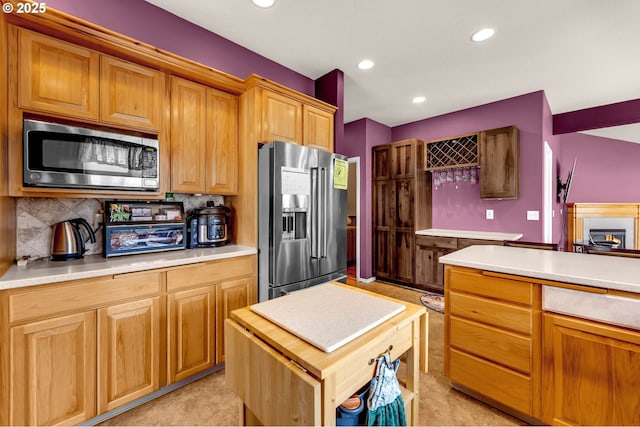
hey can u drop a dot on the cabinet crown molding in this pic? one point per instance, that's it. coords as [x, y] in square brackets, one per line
[254, 80]
[67, 27]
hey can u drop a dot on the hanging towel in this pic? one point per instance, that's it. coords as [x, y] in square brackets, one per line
[385, 404]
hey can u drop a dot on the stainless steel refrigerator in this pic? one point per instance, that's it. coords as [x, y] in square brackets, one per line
[302, 214]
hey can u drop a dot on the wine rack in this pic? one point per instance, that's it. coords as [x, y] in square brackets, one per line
[451, 153]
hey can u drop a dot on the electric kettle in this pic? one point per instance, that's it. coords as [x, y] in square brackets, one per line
[67, 241]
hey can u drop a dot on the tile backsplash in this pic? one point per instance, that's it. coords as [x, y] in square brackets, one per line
[35, 217]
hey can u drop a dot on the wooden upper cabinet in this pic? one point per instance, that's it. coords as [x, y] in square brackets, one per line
[499, 157]
[318, 128]
[381, 162]
[281, 118]
[222, 143]
[130, 94]
[57, 77]
[188, 133]
[403, 159]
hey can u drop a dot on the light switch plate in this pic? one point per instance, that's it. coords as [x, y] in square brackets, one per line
[533, 215]
[489, 213]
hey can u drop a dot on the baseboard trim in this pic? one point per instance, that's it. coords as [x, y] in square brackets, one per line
[369, 280]
[149, 397]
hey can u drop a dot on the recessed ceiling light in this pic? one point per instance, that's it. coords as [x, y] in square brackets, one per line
[483, 34]
[263, 3]
[419, 99]
[365, 64]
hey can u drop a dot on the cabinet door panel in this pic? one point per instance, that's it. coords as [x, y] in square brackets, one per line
[129, 352]
[188, 133]
[383, 262]
[403, 160]
[282, 119]
[383, 203]
[53, 371]
[229, 296]
[591, 372]
[499, 163]
[404, 203]
[191, 332]
[381, 162]
[318, 128]
[403, 246]
[222, 143]
[57, 77]
[130, 94]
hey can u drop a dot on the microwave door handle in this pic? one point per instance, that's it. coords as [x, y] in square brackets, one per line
[315, 195]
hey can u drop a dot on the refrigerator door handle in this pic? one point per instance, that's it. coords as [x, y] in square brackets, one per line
[323, 206]
[315, 213]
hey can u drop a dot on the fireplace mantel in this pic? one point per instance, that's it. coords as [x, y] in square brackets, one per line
[578, 212]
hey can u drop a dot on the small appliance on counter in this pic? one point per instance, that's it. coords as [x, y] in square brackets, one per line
[67, 241]
[141, 227]
[209, 227]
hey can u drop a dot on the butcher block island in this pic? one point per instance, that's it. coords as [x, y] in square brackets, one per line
[284, 379]
[550, 337]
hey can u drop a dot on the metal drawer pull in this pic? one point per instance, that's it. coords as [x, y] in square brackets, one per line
[388, 350]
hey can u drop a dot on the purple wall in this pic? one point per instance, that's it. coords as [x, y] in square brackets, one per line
[157, 27]
[619, 113]
[606, 169]
[359, 137]
[459, 206]
[330, 88]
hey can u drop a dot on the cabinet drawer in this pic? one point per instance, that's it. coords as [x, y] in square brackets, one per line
[511, 350]
[495, 382]
[82, 294]
[437, 241]
[357, 369]
[463, 243]
[496, 313]
[211, 272]
[472, 281]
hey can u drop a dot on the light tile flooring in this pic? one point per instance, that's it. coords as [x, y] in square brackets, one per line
[210, 401]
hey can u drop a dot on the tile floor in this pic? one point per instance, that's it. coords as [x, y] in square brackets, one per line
[210, 401]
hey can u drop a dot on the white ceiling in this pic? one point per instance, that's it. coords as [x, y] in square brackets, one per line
[582, 53]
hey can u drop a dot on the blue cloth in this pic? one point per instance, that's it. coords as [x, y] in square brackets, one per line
[385, 404]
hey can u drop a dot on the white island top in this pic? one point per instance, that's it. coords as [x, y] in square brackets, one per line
[600, 271]
[469, 234]
[46, 271]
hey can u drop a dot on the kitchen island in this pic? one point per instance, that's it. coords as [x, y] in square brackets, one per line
[284, 380]
[550, 337]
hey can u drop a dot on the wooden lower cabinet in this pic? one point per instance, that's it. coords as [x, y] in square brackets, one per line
[128, 352]
[429, 249]
[591, 373]
[81, 348]
[492, 338]
[230, 296]
[53, 371]
[191, 318]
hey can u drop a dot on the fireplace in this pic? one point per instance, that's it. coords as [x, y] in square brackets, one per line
[610, 237]
[599, 229]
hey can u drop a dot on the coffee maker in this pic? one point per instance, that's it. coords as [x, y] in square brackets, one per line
[208, 227]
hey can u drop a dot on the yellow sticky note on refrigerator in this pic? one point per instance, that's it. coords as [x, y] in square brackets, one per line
[340, 174]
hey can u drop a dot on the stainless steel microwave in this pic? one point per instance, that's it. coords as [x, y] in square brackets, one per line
[62, 156]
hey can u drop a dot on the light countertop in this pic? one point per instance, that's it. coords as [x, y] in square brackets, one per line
[600, 271]
[46, 271]
[468, 234]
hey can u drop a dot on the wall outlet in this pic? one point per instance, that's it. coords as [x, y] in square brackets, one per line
[489, 214]
[533, 215]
